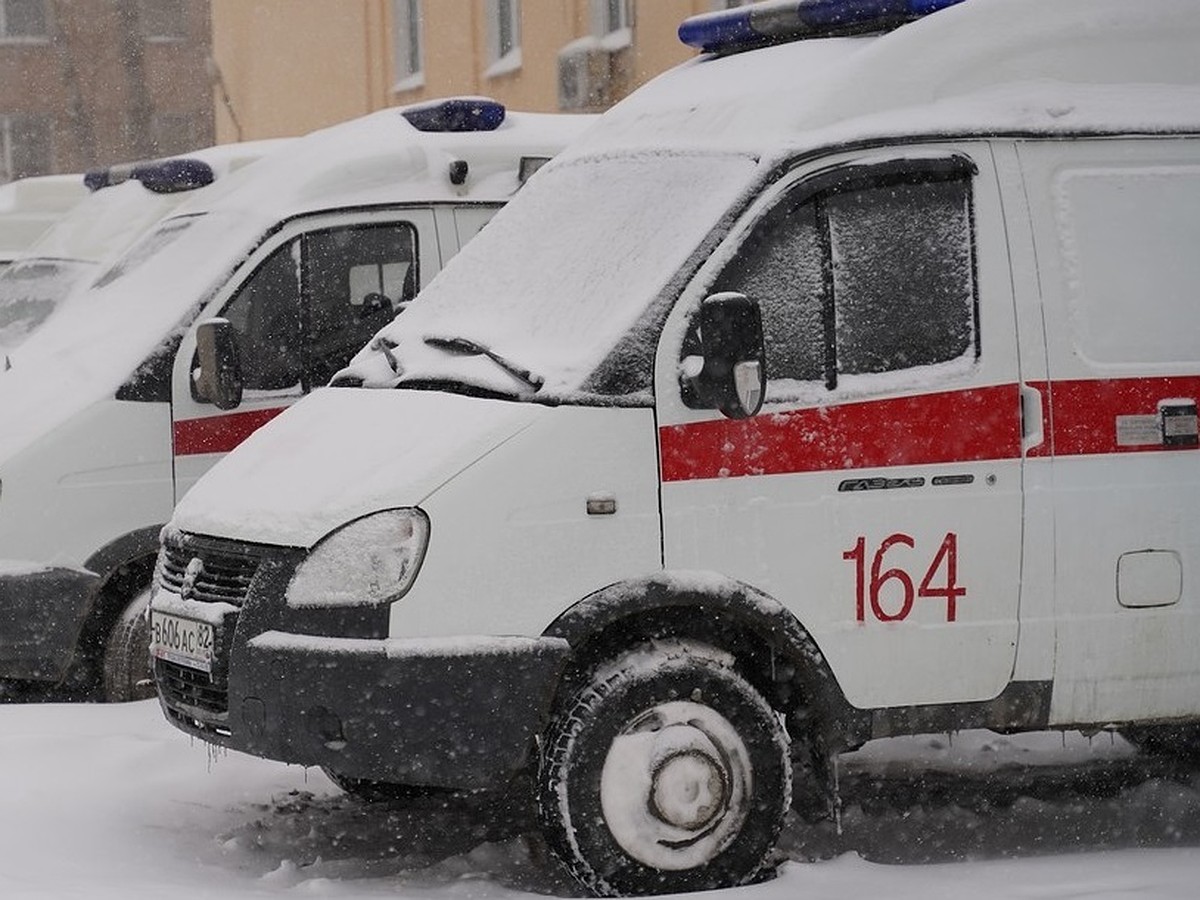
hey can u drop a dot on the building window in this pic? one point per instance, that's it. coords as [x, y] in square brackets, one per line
[504, 36]
[164, 20]
[612, 23]
[23, 20]
[408, 52]
[24, 147]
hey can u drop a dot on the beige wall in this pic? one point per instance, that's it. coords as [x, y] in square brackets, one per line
[289, 66]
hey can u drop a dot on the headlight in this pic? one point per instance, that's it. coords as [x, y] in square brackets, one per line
[371, 561]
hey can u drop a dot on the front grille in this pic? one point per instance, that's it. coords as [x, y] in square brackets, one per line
[208, 576]
[191, 689]
[204, 570]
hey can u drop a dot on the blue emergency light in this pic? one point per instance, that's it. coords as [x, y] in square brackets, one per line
[456, 114]
[778, 21]
[163, 176]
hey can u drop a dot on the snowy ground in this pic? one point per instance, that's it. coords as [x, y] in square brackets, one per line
[108, 802]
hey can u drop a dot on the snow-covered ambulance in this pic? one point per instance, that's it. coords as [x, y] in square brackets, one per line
[828, 390]
[106, 422]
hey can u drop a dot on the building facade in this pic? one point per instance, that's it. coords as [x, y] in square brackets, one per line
[289, 66]
[91, 82]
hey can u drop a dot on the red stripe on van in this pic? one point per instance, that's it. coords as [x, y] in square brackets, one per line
[952, 426]
[1084, 413]
[219, 434]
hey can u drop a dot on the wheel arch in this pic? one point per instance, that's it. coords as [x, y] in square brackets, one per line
[772, 647]
[123, 564]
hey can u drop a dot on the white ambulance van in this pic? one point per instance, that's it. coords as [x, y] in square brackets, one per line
[125, 200]
[106, 424]
[827, 390]
[29, 206]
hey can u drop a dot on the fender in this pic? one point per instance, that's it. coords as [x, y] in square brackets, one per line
[708, 604]
[134, 545]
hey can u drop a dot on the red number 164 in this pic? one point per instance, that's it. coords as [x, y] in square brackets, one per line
[869, 588]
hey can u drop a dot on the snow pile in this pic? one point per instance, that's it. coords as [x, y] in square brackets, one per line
[111, 803]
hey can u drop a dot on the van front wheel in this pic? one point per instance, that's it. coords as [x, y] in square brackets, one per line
[666, 772]
[127, 674]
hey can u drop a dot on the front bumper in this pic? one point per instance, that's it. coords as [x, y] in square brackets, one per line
[327, 688]
[41, 613]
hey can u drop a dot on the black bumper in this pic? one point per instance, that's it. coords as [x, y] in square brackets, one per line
[421, 712]
[41, 614]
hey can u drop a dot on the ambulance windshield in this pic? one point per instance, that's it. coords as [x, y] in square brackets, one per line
[32, 289]
[559, 278]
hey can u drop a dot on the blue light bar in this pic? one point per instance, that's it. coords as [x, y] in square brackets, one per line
[163, 176]
[456, 114]
[790, 20]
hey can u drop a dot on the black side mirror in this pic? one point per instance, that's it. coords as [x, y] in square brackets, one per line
[218, 380]
[733, 373]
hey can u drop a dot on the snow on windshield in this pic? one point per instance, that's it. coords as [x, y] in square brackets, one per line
[597, 240]
[32, 289]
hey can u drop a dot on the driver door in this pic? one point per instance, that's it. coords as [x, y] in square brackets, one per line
[877, 494]
[301, 306]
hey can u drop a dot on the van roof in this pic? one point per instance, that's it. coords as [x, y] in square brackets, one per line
[105, 222]
[382, 159]
[981, 66]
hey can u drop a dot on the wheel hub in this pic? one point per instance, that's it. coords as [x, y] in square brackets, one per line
[675, 785]
[688, 790]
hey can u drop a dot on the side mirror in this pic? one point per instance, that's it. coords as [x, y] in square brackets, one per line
[219, 378]
[731, 374]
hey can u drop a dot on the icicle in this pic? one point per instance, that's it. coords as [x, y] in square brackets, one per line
[837, 796]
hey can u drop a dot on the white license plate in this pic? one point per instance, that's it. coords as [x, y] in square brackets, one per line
[182, 641]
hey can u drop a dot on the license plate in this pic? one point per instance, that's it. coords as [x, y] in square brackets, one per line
[185, 642]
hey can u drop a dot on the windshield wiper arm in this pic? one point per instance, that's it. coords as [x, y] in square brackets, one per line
[471, 348]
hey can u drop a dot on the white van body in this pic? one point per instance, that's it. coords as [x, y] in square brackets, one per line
[104, 427]
[963, 253]
[70, 254]
[29, 206]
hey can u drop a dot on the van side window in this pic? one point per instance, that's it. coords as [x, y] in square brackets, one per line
[356, 280]
[314, 302]
[782, 266]
[864, 277]
[903, 285]
[265, 313]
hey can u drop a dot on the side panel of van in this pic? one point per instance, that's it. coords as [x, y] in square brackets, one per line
[878, 493]
[1116, 223]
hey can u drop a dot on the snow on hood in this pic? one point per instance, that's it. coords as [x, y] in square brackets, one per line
[342, 453]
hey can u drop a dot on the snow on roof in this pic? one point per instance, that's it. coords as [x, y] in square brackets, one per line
[380, 158]
[983, 66]
[103, 224]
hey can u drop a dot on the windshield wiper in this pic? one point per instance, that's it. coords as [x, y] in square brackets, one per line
[471, 348]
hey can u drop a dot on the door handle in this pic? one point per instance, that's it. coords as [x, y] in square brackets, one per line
[1033, 431]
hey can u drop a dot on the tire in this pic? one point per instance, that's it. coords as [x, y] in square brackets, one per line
[127, 672]
[1179, 742]
[666, 772]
